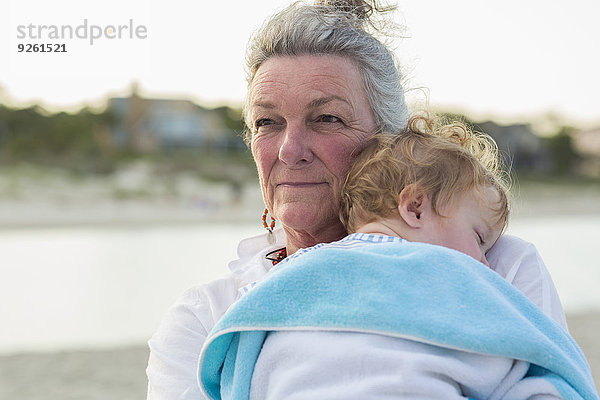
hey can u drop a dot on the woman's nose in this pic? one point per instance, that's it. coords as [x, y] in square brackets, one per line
[295, 149]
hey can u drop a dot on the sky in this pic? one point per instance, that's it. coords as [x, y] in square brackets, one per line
[511, 59]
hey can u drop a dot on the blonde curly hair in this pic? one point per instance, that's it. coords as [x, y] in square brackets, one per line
[442, 159]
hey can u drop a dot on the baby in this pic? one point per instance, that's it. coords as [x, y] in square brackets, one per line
[440, 185]
[382, 313]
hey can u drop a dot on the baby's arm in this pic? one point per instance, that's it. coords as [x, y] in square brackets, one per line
[521, 265]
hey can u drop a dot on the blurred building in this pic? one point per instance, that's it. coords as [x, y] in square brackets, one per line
[145, 124]
[519, 147]
[587, 145]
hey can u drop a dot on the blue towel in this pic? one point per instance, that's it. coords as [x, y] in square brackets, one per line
[412, 290]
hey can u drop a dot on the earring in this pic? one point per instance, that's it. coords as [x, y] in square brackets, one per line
[264, 221]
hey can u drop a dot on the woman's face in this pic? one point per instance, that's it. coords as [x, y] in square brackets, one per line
[310, 118]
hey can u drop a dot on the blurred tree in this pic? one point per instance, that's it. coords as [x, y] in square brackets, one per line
[456, 117]
[233, 121]
[33, 135]
[232, 117]
[564, 155]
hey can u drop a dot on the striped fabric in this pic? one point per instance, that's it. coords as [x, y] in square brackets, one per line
[352, 240]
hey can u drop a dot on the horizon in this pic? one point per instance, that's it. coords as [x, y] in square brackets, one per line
[543, 124]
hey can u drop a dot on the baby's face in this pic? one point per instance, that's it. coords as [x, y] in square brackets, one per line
[469, 226]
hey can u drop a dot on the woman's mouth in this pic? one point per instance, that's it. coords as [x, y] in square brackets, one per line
[300, 185]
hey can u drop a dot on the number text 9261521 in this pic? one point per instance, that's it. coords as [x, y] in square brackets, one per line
[42, 48]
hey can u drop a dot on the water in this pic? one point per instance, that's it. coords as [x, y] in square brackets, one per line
[569, 248]
[101, 287]
[79, 288]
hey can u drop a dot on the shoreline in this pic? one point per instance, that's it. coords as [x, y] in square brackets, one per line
[120, 373]
[31, 199]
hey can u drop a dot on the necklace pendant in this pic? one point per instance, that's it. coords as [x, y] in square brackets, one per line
[271, 237]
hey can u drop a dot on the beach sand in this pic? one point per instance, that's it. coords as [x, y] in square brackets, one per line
[585, 328]
[119, 374]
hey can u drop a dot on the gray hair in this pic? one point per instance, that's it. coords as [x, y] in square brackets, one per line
[335, 29]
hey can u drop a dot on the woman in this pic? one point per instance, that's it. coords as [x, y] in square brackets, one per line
[319, 85]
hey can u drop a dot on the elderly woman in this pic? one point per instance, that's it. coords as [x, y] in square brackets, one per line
[319, 85]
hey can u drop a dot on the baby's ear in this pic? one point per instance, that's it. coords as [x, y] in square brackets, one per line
[413, 205]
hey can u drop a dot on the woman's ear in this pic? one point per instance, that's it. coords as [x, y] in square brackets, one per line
[413, 205]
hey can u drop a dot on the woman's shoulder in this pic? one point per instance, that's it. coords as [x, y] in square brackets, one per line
[199, 307]
[505, 256]
[213, 297]
[519, 262]
[512, 257]
[176, 344]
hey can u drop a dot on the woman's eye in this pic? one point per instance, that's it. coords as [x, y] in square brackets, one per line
[263, 122]
[328, 119]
